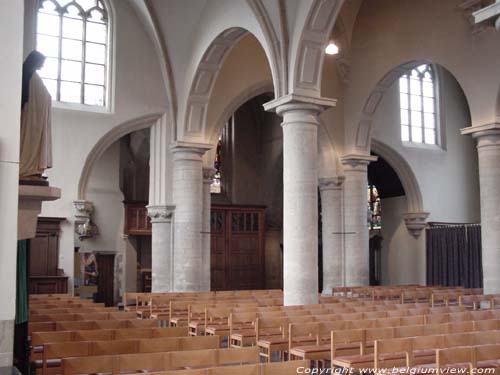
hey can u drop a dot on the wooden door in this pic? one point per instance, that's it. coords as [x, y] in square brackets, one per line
[105, 278]
[245, 255]
[237, 247]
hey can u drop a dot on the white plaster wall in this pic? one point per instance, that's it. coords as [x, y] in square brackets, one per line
[447, 175]
[403, 256]
[138, 91]
[104, 191]
[11, 25]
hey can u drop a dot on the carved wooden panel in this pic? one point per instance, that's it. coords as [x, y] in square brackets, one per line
[48, 284]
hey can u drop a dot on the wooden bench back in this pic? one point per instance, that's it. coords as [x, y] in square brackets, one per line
[393, 346]
[158, 361]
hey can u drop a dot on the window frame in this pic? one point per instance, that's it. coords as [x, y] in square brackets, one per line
[108, 107]
[436, 81]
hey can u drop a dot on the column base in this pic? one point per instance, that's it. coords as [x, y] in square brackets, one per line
[6, 342]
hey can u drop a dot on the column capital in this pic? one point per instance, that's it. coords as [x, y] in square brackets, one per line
[357, 162]
[186, 150]
[485, 130]
[416, 222]
[208, 174]
[161, 214]
[331, 183]
[294, 102]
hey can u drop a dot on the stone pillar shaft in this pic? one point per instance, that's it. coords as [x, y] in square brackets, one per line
[160, 210]
[161, 248]
[205, 227]
[300, 196]
[356, 267]
[188, 199]
[488, 147]
[332, 233]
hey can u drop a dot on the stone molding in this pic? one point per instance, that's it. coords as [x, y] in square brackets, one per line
[416, 222]
[84, 209]
[489, 15]
[331, 183]
[161, 214]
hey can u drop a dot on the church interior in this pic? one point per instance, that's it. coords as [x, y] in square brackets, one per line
[249, 187]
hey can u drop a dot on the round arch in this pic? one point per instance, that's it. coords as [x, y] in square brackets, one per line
[106, 141]
[364, 126]
[405, 174]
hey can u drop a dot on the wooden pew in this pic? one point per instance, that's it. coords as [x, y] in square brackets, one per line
[54, 352]
[90, 324]
[277, 368]
[159, 361]
[388, 352]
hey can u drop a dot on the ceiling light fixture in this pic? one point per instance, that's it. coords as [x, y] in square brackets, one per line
[331, 49]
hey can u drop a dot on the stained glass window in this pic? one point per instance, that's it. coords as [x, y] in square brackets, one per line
[417, 99]
[73, 35]
[216, 187]
[374, 208]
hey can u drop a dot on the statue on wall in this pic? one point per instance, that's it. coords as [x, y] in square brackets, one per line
[36, 139]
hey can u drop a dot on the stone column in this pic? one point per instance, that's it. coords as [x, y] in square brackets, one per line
[160, 208]
[205, 228]
[11, 62]
[332, 232]
[300, 195]
[161, 248]
[188, 199]
[488, 147]
[356, 237]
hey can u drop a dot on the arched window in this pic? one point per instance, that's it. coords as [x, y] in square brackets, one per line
[374, 208]
[417, 93]
[73, 35]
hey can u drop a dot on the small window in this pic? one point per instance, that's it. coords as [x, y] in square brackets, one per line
[73, 35]
[417, 99]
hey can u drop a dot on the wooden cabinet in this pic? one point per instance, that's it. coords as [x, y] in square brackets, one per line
[237, 247]
[44, 274]
[137, 221]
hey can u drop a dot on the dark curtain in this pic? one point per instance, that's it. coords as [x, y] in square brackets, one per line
[454, 256]
[22, 312]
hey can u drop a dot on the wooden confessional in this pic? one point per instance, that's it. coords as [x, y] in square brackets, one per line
[44, 274]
